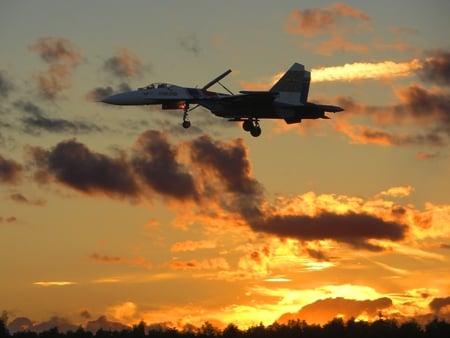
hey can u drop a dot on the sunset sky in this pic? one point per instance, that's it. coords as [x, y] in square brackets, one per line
[118, 214]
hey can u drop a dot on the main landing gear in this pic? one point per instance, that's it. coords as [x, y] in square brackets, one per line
[252, 126]
[186, 123]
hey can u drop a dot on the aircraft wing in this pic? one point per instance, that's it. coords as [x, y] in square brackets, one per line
[234, 105]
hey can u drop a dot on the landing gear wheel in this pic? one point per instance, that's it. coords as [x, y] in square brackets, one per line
[247, 125]
[255, 131]
[186, 122]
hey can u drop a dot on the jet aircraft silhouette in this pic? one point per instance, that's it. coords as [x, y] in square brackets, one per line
[287, 100]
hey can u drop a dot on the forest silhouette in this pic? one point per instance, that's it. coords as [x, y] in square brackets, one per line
[383, 328]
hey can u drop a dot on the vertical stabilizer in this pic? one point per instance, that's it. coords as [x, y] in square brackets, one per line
[293, 87]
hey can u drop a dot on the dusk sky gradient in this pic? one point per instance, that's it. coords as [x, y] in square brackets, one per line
[117, 214]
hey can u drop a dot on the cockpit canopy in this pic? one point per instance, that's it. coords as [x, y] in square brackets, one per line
[156, 85]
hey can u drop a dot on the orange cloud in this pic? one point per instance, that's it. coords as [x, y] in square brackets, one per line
[137, 261]
[313, 21]
[54, 283]
[124, 64]
[193, 245]
[321, 311]
[219, 263]
[62, 56]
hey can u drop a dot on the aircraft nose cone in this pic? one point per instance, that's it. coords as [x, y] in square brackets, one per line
[124, 99]
[113, 99]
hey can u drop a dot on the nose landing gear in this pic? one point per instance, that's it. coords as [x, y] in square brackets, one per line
[186, 123]
[252, 126]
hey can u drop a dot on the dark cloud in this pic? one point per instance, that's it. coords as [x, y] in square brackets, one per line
[73, 164]
[20, 198]
[105, 259]
[322, 311]
[152, 167]
[351, 228]
[22, 324]
[421, 104]
[85, 314]
[438, 303]
[103, 323]
[37, 120]
[156, 164]
[6, 86]
[229, 163]
[425, 112]
[62, 56]
[379, 136]
[317, 254]
[99, 93]
[124, 64]
[436, 68]
[191, 44]
[10, 170]
[218, 171]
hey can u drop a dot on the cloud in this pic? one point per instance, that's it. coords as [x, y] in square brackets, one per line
[99, 93]
[19, 198]
[103, 323]
[400, 191]
[438, 304]
[225, 189]
[218, 263]
[229, 163]
[191, 44]
[56, 50]
[6, 86]
[420, 104]
[74, 165]
[151, 166]
[337, 42]
[10, 219]
[156, 164]
[193, 245]
[62, 56]
[310, 22]
[335, 22]
[423, 113]
[106, 259]
[24, 324]
[10, 171]
[436, 68]
[38, 120]
[351, 228]
[322, 311]
[124, 64]
[54, 283]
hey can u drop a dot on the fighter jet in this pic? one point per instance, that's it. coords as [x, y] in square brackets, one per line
[287, 100]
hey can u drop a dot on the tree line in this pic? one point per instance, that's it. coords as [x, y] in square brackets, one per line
[382, 328]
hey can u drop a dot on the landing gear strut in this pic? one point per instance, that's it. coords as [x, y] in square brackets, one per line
[252, 126]
[186, 123]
